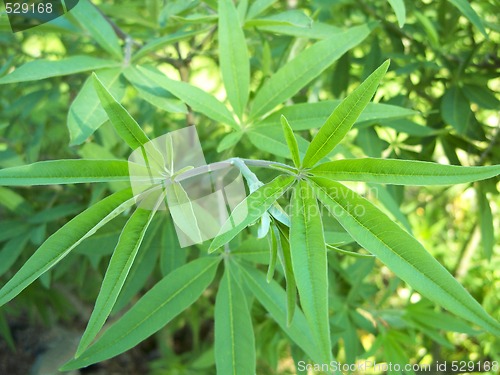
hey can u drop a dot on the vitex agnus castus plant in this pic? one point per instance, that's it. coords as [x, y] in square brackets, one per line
[210, 202]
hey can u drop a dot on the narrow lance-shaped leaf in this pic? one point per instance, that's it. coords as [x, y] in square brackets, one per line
[455, 109]
[401, 252]
[272, 140]
[172, 256]
[11, 251]
[258, 6]
[195, 97]
[273, 250]
[85, 114]
[402, 172]
[57, 246]
[41, 69]
[167, 299]
[119, 266]
[158, 43]
[286, 260]
[183, 212]
[342, 118]
[486, 222]
[125, 125]
[55, 172]
[144, 265]
[234, 337]
[304, 68]
[273, 297]
[305, 116]
[470, 13]
[234, 59]
[399, 8]
[99, 28]
[291, 141]
[251, 209]
[153, 93]
[293, 18]
[309, 261]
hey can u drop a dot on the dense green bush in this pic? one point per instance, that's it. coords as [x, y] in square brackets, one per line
[352, 208]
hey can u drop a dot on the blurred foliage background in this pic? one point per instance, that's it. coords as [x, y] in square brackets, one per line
[445, 67]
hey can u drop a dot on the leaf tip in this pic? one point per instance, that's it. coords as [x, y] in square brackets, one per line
[386, 64]
[212, 249]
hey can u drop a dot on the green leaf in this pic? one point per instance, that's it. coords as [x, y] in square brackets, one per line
[167, 299]
[401, 252]
[347, 252]
[342, 118]
[430, 30]
[172, 256]
[465, 8]
[307, 247]
[196, 98]
[291, 141]
[233, 56]
[389, 203]
[41, 69]
[157, 43]
[6, 333]
[55, 172]
[57, 246]
[153, 93]
[234, 337]
[411, 128]
[196, 18]
[242, 10]
[11, 251]
[482, 96]
[304, 68]
[182, 211]
[455, 109]
[402, 172]
[14, 202]
[251, 209]
[272, 140]
[399, 8]
[486, 222]
[306, 116]
[259, 6]
[287, 18]
[92, 20]
[55, 213]
[273, 253]
[86, 114]
[119, 266]
[144, 265]
[318, 30]
[229, 141]
[286, 260]
[126, 127]
[273, 298]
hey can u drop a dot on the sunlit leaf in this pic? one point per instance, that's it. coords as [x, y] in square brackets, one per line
[401, 252]
[167, 299]
[342, 118]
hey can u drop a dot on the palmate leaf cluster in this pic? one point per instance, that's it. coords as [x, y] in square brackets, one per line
[294, 210]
